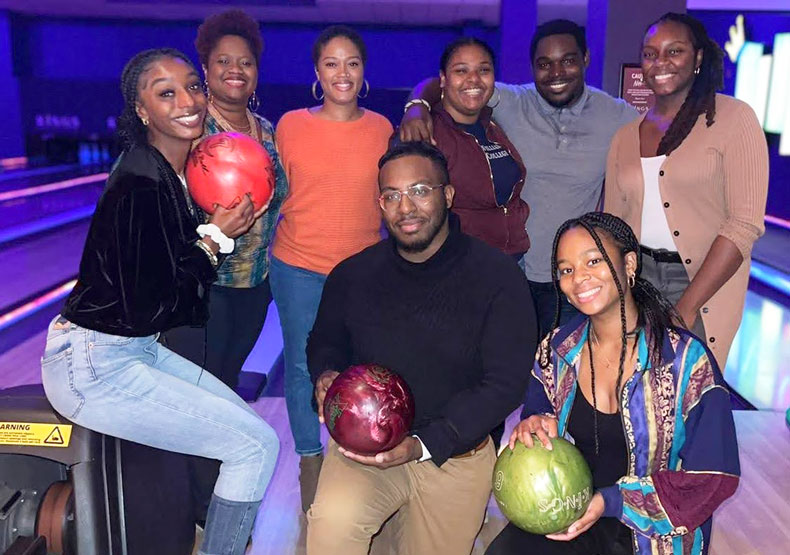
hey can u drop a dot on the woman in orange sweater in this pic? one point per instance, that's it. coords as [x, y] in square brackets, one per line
[330, 154]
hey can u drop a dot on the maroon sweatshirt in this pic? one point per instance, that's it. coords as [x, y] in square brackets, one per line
[501, 226]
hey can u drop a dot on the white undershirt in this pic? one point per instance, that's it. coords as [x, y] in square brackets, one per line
[655, 229]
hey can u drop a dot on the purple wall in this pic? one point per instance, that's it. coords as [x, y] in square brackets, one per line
[68, 49]
[760, 27]
[78, 63]
[11, 143]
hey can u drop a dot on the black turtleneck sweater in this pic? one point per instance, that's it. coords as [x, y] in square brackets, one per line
[460, 328]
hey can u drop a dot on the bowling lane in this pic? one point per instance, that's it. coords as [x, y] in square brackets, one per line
[758, 366]
[18, 179]
[39, 263]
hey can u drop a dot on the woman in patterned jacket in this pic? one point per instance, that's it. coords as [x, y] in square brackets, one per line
[642, 398]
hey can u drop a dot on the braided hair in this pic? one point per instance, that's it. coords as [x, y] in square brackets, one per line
[702, 96]
[130, 127]
[655, 313]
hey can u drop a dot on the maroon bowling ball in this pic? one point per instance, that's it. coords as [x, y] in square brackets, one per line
[368, 409]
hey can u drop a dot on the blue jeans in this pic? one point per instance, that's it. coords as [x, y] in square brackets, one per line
[297, 294]
[136, 389]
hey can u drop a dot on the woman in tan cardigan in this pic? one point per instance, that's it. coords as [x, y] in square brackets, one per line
[691, 179]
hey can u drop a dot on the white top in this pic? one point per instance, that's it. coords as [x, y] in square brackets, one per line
[655, 229]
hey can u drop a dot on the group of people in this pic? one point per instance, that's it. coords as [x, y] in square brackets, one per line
[498, 281]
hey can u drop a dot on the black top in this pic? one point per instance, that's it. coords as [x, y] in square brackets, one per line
[504, 169]
[141, 271]
[459, 328]
[611, 462]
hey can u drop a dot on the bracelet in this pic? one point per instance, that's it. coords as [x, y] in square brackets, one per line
[211, 256]
[226, 244]
[414, 102]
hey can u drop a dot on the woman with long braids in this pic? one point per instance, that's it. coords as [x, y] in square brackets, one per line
[691, 178]
[145, 270]
[643, 400]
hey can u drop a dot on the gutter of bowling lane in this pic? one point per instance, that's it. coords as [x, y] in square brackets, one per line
[49, 187]
[50, 222]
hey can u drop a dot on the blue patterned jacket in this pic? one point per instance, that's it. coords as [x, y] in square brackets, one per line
[683, 453]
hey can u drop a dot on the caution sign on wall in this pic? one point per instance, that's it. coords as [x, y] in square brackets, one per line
[35, 434]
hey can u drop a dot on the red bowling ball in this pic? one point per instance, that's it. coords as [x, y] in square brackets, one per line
[368, 409]
[224, 167]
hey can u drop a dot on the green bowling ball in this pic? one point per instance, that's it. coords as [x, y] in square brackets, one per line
[542, 491]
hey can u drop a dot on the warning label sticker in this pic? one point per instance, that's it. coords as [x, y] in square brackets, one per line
[35, 434]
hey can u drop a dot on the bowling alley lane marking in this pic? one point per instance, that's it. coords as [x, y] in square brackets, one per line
[12, 317]
[49, 187]
[35, 434]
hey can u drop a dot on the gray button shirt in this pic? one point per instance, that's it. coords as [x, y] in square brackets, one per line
[564, 150]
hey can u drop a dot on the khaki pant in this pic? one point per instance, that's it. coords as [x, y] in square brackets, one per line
[437, 511]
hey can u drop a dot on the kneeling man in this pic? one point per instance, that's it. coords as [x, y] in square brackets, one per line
[455, 319]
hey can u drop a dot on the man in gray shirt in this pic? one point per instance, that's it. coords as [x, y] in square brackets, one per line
[562, 129]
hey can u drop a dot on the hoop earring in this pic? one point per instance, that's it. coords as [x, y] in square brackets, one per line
[696, 71]
[253, 103]
[206, 90]
[367, 91]
[632, 280]
[315, 94]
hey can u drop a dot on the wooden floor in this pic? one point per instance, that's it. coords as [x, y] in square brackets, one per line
[755, 521]
[280, 527]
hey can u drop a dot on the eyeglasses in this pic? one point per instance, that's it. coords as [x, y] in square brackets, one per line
[418, 194]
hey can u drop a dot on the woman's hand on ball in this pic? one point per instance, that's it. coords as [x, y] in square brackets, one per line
[261, 211]
[234, 221]
[543, 426]
[594, 511]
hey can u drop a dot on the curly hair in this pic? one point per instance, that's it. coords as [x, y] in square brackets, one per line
[702, 96]
[451, 48]
[130, 128]
[655, 313]
[335, 31]
[231, 22]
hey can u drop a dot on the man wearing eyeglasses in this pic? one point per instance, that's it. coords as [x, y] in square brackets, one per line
[455, 319]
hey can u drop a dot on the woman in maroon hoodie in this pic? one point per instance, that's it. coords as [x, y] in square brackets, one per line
[485, 168]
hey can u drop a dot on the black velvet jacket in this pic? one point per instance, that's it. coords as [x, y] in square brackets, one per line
[141, 271]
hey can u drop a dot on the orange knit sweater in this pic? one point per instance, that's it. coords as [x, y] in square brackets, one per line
[331, 210]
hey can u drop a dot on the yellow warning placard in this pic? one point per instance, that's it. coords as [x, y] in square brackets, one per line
[35, 434]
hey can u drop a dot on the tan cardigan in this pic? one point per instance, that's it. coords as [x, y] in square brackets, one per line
[714, 183]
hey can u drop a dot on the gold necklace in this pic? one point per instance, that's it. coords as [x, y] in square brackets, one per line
[252, 126]
[606, 358]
